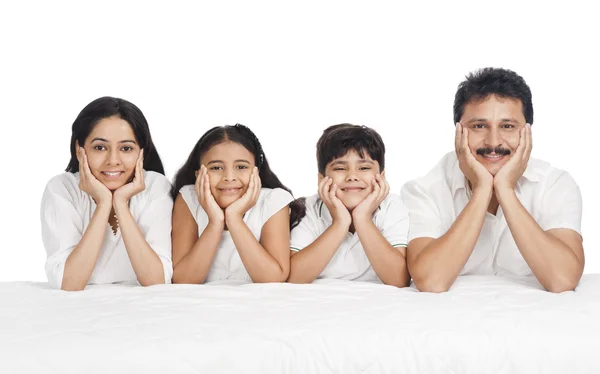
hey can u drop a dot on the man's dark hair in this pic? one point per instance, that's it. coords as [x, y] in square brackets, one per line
[493, 81]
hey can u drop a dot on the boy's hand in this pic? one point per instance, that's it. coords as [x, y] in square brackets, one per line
[339, 213]
[367, 207]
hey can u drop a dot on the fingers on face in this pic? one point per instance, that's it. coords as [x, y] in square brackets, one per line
[322, 184]
[522, 142]
[86, 165]
[206, 185]
[257, 181]
[376, 185]
[140, 164]
[325, 187]
[384, 186]
[332, 192]
[465, 141]
[200, 181]
[457, 136]
[529, 138]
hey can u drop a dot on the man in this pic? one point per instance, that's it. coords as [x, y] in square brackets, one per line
[488, 208]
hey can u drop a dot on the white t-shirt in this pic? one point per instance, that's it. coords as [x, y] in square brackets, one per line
[227, 264]
[350, 261]
[66, 212]
[434, 201]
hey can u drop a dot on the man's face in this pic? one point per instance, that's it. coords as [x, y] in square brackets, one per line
[494, 124]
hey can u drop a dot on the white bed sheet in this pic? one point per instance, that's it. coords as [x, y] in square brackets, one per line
[483, 325]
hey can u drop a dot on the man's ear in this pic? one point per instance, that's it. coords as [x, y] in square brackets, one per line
[383, 174]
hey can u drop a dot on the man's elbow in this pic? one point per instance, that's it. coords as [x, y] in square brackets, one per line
[560, 284]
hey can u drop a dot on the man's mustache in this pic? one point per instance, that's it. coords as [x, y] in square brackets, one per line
[497, 150]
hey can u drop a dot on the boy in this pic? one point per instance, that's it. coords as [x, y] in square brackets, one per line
[353, 228]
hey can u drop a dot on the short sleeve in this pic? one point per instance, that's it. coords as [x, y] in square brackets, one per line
[155, 223]
[307, 231]
[425, 220]
[395, 223]
[274, 200]
[562, 205]
[188, 193]
[62, 229]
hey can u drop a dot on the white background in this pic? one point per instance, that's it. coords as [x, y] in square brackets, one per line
[286, 70]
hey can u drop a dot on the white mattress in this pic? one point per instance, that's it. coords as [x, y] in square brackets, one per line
[483, 325]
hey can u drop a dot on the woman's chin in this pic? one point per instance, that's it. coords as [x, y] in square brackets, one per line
[113, 186]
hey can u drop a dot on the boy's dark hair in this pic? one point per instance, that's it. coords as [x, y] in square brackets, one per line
[242, 135]
[493, 81]
[337, 140]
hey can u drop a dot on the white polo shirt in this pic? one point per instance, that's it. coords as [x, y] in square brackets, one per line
[66, 212]
[434, 201]
[227, 263]
[350, 261]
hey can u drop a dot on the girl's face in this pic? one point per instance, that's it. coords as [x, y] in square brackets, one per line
[112, 152]
[229, 166]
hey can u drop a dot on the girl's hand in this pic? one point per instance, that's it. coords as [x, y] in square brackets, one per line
[239, 207]
[207, 200]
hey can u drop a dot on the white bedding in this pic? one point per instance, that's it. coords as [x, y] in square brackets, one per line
[483, 325]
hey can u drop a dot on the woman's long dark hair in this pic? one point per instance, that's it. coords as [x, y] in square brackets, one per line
[244, 136]
[105, 107]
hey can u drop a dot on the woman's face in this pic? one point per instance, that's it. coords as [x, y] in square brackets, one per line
[112, 151]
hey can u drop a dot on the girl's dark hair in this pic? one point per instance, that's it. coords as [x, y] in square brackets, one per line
[105, 107]
[244, 136]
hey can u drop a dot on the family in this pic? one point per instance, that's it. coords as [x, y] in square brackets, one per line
[486, 207]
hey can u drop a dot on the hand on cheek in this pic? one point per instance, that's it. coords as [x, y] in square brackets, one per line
[367, 207]
[238, 208]
[137, 184]
[506, 178]
[89, 183]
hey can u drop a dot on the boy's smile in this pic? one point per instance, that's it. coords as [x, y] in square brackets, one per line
[353, 176]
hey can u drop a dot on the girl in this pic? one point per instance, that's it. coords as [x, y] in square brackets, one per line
[107, 219]
[225, 224]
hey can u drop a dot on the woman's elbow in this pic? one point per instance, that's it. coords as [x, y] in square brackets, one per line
[67, 286]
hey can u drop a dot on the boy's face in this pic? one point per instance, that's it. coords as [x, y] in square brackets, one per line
[353, 175]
